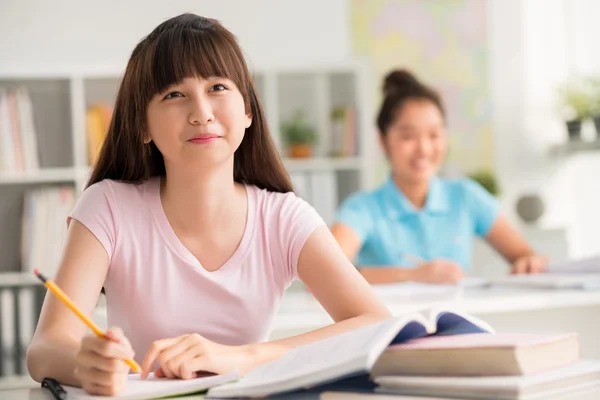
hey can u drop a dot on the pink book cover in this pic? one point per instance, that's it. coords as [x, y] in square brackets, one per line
[15, 130]
[479, 340]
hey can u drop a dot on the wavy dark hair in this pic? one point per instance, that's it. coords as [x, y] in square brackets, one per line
[184, 46]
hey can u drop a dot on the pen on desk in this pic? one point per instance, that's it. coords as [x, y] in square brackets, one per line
[65, 299]
[55, 388]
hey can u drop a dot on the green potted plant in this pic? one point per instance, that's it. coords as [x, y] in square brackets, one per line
[299, 136]
[488, 180]
[577, 104]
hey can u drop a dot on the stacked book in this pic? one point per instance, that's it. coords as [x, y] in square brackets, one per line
[486, 366]
[18, 138]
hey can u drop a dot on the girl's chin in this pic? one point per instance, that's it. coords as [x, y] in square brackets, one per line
[420, 176]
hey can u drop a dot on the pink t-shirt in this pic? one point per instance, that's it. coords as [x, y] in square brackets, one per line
[157, 289]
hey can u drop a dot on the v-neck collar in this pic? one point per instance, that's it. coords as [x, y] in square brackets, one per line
[173, 241]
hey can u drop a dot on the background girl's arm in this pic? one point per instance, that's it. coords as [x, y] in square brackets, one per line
[513, 247]
[436, 271]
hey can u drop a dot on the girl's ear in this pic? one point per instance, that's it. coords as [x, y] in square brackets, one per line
[147, 139]
[382, 143]
[248, 120]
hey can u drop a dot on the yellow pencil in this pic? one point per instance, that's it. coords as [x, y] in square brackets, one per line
[65, 299]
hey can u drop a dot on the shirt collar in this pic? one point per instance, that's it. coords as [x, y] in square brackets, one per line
[399, 206]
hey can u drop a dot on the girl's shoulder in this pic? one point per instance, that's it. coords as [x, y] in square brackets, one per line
[267, 199]
[117, 193]
[281, 206]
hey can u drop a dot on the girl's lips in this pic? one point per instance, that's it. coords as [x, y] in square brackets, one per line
[204, 139]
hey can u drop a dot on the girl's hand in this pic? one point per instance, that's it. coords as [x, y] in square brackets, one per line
[100, 366]
[190, 356]
[530, 265]
[438, 272]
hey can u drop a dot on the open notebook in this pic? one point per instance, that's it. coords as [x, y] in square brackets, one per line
[154, 388]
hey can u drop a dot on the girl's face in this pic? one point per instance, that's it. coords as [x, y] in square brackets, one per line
[415, 142]
[198, 121]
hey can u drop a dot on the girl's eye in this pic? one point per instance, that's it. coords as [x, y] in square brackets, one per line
[217, 88]
[173, 95]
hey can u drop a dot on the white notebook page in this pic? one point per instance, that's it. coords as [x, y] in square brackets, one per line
[152, 387]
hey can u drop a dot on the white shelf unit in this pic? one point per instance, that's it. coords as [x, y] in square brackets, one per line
[60, 100]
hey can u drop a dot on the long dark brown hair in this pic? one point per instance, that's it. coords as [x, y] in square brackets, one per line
[400, 86]
[184, 46]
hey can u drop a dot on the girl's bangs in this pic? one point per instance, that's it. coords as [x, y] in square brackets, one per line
[184, 53]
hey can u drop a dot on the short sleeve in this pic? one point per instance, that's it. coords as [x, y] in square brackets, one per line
[297, 221]
[95, 210]
[354, 212]
[483, 207]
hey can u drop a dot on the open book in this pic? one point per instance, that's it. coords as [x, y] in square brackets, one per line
[588, 265]
[349, 354]
[583, 281]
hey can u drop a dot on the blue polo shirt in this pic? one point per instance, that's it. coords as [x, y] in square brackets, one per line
[394, 233]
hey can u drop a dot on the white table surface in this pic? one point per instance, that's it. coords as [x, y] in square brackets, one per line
[301, 310]
[512, 309]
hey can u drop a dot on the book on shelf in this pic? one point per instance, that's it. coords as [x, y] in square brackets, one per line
[97, 121]
[44, 227]
[18, 136]
[318, 188]
[344, 137]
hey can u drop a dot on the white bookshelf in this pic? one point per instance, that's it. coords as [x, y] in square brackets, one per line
[60, 99]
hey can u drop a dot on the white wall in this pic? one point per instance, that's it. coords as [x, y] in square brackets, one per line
[61, 34]
[535, 45]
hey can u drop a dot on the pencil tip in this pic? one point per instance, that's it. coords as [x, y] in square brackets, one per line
[39, 275]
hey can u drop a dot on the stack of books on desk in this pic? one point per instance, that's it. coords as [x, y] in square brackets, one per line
[486, 366]
[448, 353]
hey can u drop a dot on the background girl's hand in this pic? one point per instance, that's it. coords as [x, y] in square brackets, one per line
[438, 271]
[530, 265]
[100, 366]
[191, 355]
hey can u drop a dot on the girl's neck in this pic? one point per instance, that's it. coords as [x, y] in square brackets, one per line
[415, 192]
[196, 198]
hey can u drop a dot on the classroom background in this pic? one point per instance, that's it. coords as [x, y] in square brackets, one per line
[520, 79]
